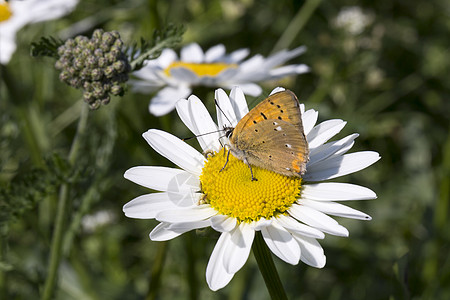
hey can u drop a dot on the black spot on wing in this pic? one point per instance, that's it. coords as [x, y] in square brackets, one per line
[264, 116]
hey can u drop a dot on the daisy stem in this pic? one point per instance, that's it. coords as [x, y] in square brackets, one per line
[190, 272]
[267, 267]
[56, 247]
[296, 25]
[157, 269]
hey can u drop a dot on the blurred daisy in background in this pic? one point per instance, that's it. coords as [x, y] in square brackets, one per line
[15, 14]
[353, 19]
[173, 77]
[291, 213]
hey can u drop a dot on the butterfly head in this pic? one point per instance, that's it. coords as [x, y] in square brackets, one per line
[228, 131]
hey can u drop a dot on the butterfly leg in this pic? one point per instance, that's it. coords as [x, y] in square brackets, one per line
[251, 171]
[228, 156]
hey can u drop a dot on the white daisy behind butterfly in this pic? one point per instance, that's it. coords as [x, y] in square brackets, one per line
[174, 77]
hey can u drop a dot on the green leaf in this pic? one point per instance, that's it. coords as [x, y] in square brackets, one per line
[168, 37]
[47, 46]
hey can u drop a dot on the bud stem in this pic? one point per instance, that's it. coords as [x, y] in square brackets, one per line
[56, 247]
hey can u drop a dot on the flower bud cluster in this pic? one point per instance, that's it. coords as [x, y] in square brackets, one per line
[96, 65]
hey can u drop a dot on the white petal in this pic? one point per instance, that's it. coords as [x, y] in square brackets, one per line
[146, 86]
[188, 226]
[341, 165]
[192, 53]
[195, 115]
[147, 206]
[287, 71]
[192, 214]
[335, 209]
[47, 10]
[238, 102]
[223, 223]
[162, 233]
[250, 65]
[215, 53]
[309, 119]
[164, 179]
[251, 89]
[293, 225]
[182, 107]
[238, 55]
[312, 252]
[317, 219]
[175, 150]
[277, 90]
[225, 112]
[216, 276]
[238, 250]
[332, 148]
[184, 75]
[8, 46]
[261, 223]
[333, 191]
[223, 76]
[165, 99]
[168, 231]
[282, 56]
[167, 57]
[281, 243]
[324, 131]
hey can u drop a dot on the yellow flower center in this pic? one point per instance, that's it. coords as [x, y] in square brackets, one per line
[5, 11]
[233, 193]
[200, 69]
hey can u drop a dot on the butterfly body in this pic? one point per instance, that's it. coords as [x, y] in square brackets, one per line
[271, 136]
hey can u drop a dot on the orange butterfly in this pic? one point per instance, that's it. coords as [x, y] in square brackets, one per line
[271, 136]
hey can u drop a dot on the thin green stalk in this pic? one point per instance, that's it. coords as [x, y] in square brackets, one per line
[56, 247]
[157, 269]
[441, 213]
[149, 53]
[267, 267]
[3, 267]
[296, 25]
[191, 261]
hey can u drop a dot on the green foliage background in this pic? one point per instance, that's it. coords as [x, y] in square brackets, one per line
[390, 82]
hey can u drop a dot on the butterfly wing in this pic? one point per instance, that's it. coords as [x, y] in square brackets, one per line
[282, 106]
[275, 145]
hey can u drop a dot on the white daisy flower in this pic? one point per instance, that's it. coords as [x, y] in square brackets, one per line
[15, 14]
[291, 213]
[214, 68]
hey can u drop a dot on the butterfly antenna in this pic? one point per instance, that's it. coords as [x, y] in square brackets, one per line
[191, 137]
[217, 104]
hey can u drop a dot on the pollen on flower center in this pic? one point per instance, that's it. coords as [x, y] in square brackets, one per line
[232, 192]
[5, 11]
[200, 69]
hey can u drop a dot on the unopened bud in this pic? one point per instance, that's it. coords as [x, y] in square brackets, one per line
[96, 74]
